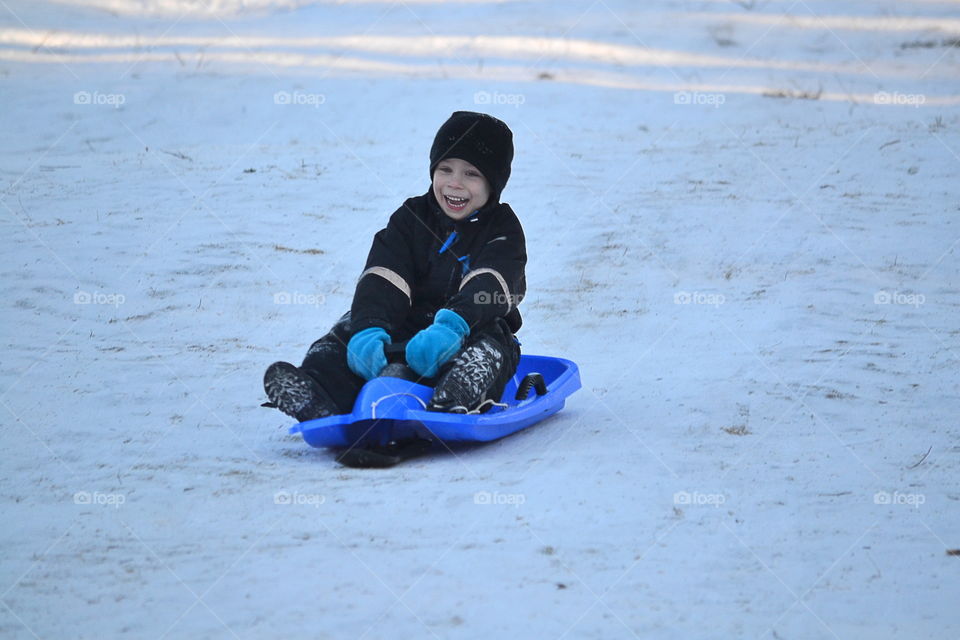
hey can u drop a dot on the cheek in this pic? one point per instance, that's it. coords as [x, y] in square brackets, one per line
[481, 190]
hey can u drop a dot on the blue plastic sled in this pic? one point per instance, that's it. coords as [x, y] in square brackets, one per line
[392, 409]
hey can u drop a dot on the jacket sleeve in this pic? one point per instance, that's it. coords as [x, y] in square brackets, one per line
[384, 291]
[496, 281]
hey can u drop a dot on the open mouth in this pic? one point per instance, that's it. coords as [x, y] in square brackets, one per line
[456, 204]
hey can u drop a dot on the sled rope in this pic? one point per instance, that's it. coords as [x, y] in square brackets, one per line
[490, 401]
[373, 405]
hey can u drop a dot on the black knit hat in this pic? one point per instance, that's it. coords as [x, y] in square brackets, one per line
[480, 139]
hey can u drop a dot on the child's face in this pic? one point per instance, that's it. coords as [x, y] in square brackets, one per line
[460, 188]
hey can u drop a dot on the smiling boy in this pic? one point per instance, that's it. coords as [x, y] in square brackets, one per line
[445, 276]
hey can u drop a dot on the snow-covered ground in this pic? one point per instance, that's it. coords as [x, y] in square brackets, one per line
[742, 225]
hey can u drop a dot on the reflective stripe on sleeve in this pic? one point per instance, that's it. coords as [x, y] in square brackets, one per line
[390, 276]
[496, 274]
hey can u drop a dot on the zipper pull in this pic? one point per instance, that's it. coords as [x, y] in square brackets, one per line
[449, 241]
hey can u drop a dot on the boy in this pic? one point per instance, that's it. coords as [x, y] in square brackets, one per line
[445, 276]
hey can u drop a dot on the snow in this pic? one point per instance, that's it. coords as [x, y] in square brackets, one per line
[741, 222]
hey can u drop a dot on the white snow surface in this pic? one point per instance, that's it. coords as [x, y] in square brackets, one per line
[742, 225]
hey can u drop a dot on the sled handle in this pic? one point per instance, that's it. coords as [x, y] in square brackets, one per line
[531, 380]
[397, 348]
[396, 352]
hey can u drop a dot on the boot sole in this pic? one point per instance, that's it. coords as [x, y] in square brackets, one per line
[293, 393]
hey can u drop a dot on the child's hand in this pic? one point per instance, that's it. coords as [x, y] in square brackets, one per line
[436, 344]
[365, 355]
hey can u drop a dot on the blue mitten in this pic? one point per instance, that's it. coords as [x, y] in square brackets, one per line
[365, 355]
[436, 344]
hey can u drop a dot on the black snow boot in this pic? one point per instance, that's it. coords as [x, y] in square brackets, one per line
[296, 393]
[465, 385]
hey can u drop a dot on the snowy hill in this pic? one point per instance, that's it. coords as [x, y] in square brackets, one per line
[742, 225]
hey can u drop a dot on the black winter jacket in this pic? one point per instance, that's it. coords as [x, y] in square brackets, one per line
[416, 267]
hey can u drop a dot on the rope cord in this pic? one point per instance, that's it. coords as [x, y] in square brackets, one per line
[490, 401]
[373, 405]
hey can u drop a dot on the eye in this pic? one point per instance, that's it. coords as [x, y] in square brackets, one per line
[443, 169]
[473, 174]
